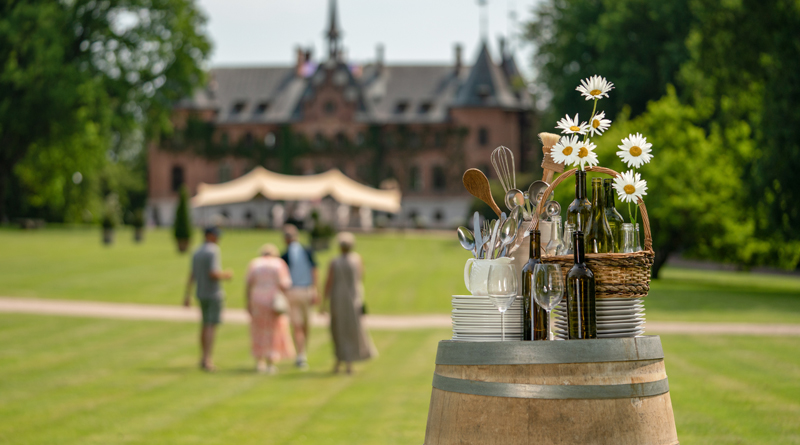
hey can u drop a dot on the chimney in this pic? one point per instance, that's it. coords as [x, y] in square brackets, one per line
[300, 60]
[379, 53]
[458, 57]
[502, 44]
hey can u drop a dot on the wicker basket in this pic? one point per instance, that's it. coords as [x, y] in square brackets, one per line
[617, 275]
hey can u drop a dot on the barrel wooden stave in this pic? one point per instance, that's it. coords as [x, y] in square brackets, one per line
[543, 411]
[456, 418]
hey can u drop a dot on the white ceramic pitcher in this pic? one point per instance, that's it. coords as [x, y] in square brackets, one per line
[476, 277]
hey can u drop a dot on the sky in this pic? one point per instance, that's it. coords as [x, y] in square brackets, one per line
[266, 32]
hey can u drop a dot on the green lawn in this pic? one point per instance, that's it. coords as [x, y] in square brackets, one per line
[87, 381]
[405, 274]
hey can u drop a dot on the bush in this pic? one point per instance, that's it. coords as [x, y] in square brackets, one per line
[183, 223]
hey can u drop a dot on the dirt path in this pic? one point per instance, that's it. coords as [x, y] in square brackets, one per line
[239, 316]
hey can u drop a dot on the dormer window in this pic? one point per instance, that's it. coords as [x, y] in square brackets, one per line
[262, 108]
[329, 107]
[238, 107]
[424, 108]
[401, 107]
[483, 91]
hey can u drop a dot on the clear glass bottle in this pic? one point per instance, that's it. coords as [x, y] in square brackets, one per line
[581, 304]
[566, 247]
[534, 318]
[555, 243]
[628, 239]
[599, 238]
[579, 210]
[615, 220]
[638, 241]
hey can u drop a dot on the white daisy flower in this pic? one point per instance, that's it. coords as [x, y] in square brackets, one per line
[566, 150]
[586, 155]
[595, 87]
[635, 150]
[599, 124]
[630, 186]
[571, 126]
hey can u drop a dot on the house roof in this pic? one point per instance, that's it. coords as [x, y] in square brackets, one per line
[486, 85]
[390, 93]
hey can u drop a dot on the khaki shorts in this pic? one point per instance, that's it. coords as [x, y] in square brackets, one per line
[300, 305]
[211, 309]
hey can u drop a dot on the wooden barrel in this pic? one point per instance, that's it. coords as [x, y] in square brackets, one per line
[603, 391]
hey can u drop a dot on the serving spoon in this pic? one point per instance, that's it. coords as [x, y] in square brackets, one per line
[477, 185]
[467, 239]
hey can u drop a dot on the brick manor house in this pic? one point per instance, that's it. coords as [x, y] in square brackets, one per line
[416, 127]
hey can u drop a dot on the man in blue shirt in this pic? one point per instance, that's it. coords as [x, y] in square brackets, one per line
[302, 295]
[207, 271]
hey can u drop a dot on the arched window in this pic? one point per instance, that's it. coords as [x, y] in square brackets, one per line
[414, 179]
[439, 179]
[483, 136]
[177, 177]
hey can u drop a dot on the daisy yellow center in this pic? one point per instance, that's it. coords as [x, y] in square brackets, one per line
[583, 152]
[574, 128]
[596, 123]
[595, 92]
[567, 151]
[629, 189]
[635, 151]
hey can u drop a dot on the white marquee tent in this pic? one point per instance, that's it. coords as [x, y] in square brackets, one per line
[278, 187]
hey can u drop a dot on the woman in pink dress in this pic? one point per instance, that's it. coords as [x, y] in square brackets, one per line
[267, 277]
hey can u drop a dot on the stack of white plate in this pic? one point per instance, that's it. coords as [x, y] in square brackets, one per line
[616, 317]
[477, 319]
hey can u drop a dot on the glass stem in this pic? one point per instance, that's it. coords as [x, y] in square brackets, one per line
[549, 321]
[502, 326]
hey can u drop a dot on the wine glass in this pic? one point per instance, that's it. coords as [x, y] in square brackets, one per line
[547, 287]
[502, 290]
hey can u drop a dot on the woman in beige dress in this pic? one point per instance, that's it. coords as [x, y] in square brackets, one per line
[267, 278]
[346, 293]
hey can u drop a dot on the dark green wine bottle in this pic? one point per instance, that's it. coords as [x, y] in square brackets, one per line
[599, 238]
[534, 318]
[579, 210]
[581, 305]
[615, 220]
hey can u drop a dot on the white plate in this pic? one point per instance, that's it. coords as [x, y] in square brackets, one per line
[485, 329]
[619, 303]
[621, 335]
[489, 337]
[494, 326]
[482, 309]
[618, 317]
[634, 312]
[607, 329]
[613, 326]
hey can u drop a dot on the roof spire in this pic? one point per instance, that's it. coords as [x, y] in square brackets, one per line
[484, 19]
[333, 33]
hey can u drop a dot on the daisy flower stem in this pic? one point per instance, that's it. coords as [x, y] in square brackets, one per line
[630, 211]
[591, 119]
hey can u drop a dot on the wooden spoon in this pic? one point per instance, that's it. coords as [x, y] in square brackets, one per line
[477, 185]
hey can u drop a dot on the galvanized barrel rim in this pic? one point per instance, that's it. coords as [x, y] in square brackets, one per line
[599, 350]
[530, 391]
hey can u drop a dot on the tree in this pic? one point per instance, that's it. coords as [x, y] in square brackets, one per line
[80, 77]
[735, 67]
[183, 222]
[639, 44]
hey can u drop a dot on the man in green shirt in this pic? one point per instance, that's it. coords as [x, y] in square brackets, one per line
[207, 272]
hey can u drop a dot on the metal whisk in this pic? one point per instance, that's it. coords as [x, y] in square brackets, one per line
[503, 162]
